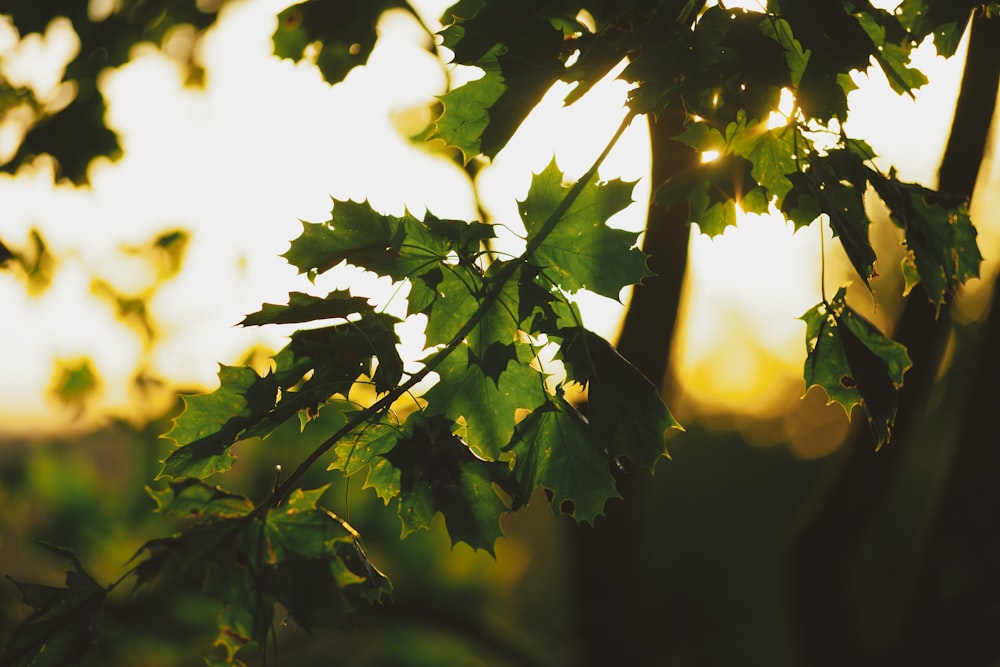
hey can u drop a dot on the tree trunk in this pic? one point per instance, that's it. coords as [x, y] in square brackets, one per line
[614, 619]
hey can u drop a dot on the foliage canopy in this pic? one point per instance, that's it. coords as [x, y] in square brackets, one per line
[496, 424]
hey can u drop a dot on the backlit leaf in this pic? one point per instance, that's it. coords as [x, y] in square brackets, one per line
[941, 239]
[306, 308]
[439, 473]
[554, 448]
[627, 416]
[486, 406]
[211, 423]
[854, 363]
[466, 109]
[193, 499]
[582, 252]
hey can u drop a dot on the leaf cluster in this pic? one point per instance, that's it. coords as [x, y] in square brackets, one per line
[76, 133]
[493, 427]
[504, 341]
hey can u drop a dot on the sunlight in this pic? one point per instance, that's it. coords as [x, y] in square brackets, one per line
[267, 143]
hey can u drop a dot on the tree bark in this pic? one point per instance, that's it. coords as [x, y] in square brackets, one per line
[614, 618]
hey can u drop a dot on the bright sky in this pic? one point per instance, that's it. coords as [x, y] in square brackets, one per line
[267, 143]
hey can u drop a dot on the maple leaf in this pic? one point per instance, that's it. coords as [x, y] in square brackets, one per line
[439, 473]
[487, 406]
[307, 308]
[711, 192]
[771, 152]
[854, 363]
[64, 620]
[345, 32]
[365, 447]
[194, 499]
[212, 422]
[942, 239]
[553, 447]
[581, 251]
[455, 290]
[627, 416]
[529, 54]
[359, 235]
[466, 109]
[835, 184]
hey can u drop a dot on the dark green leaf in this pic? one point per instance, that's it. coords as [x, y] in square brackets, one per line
[942, 239]
[854, 363]
[306, 308]
[63, 623]
[554, 448]
[439, 473]
[212, 422]
[529, 52]
[366, 447]
[772, 154]
[456, 298]
[345, 32]
[627, 416]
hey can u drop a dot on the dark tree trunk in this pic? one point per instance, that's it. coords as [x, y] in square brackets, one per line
[837, 531]
[613, 609]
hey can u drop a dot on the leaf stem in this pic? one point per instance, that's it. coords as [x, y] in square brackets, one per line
[503, 276]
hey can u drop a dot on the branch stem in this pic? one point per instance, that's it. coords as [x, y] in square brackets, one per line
[506, 273]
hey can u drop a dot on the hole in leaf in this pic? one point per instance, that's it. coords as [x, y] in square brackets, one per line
[567, 507]
[292, 20]
[848, 382]
[549, 495]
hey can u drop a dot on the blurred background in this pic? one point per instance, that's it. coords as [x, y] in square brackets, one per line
[123, 280]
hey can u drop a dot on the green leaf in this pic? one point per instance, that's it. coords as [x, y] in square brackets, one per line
[627, 416]
[401, 248]
[582, 252]
[466, 109]
[854, 363]
[835, 184]
[530, 56]
[703, 137]
[456, 299]
[778, 29]
[712, 190]
[365, 447]
[345, 33]
[63, 623]
[439, 473]
[297, 526]
[193, 499]
[502, 318]
[211, 423]
[772, 154]
[486, 406]
[76, 382]
[355, 233]
[554, 448]
[892, 58]
[713, 219]
[307, 308]
[942, 239]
